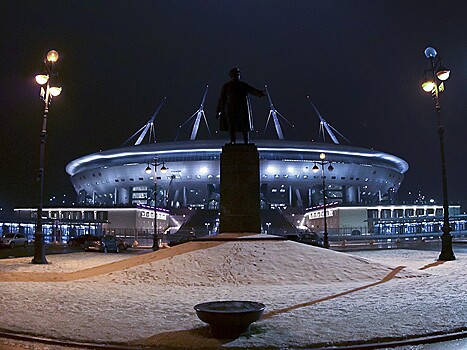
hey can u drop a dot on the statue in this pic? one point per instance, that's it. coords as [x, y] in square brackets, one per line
[233, 107]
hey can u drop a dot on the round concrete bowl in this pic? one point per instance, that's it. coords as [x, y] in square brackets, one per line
[228, 319]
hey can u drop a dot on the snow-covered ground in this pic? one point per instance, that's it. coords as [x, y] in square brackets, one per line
[312, 295]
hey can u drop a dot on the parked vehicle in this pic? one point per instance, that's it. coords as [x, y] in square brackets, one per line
[311, 238]
[106, 244]
[14, 240]
[78, 241]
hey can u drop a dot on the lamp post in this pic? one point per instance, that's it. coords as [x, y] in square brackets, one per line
[434, 84]
[46, 79]
[207, 224]
[155, 244]
[315, 169]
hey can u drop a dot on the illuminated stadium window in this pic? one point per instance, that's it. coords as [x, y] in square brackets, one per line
[210, 176]
[276, 176]
[188, 176]
[367, 179]
[218, 176]
[286, 176]
[282, 190]
[273, 190]
[265, 176]
[305, 176]
[271, 169]
[297, 176]
[198, 176]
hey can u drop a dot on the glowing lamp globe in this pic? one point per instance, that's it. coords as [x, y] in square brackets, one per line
[443, 73]
[428, 86]
[52, 56]
[55, 90]
[430, 52]
[42, 79]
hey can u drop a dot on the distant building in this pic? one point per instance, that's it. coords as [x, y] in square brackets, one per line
[384, 220]
[60, 224]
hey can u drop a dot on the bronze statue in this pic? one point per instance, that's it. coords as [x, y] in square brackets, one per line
[233, 107]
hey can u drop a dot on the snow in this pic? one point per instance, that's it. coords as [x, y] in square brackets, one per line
[312, 295]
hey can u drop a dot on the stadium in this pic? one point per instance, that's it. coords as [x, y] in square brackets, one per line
[119, 177]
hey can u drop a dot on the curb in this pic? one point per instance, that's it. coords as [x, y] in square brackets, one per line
[372, 344]
[428, 339]
[68, 343]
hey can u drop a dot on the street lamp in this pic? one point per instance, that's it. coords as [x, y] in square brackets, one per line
[315, 169]
[207, 224]
[155, 244]
[434, 84]
[47, 79]
[268, 224]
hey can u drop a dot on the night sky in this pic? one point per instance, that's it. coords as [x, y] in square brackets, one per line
[361, 62]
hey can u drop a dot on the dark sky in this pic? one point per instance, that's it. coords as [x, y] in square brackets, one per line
[361, 62]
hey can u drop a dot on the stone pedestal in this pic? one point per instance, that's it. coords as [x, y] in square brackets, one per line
[240, 199]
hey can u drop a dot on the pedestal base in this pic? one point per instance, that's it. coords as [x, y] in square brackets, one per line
[240, 198]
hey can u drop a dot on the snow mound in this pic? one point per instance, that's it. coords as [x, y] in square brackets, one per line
[259, 262]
